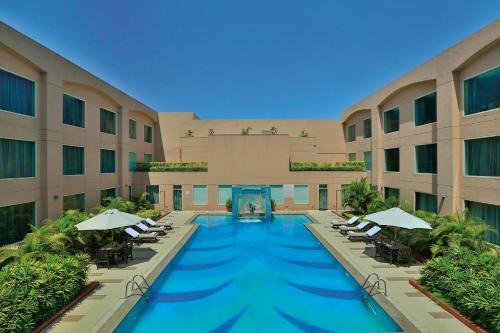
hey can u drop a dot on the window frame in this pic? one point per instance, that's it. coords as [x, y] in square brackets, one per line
[192, 195]
[218, 197]
[385, 160]
[393, 188]
[100, 162]
[145, 190]
[129, 119]
[415, 201]
[371, 134]
[399, 120]
[84, 112]
[84, 199]
[36, 161]
[464, 157]
[349, 157]
[348, 133]
[463, 93]
[308, 195]
[415, 164]
[84, 161]
[145, 125]
[282, 193]
[35, 222]
[34, 97]
[116, 127]
[414, 109]
[371, 159]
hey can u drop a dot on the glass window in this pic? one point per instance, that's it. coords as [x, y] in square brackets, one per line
[391, 120]
[277, 193]
[148, 158]
[391, 192]
[108, 122]
[425, 109]
[367, 128]
[351, 133]
[200, 195]
[426, 202]
[17, 94]
[108, 193]
[392, 159]
[489, 214]
[73, 111]
[482, 157]
[482, 92]
[426, 158]
[107, 161]
[73, 160]
[132, 161]
[301, 194]
[368, 160]
[153, 192]
[17, 159]
[132, 129]
[224, 192]
[75, 201]
[148, 134]
[16, 222]
[351, 157]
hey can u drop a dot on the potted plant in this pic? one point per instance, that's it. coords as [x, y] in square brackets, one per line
[229, 205]
[273, 205]
[274, 130]
[245, 131]
[211, 131]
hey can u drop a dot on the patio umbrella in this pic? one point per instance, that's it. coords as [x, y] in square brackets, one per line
[108, 220]
[396, 217]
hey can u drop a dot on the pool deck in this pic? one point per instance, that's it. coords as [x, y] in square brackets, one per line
[358, 257]
[107, 306]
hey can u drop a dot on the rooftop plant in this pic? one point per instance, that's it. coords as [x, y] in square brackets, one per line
[245, 131]
[338, 166]
[211, 131]
[304, 134]
[172, 166]
[274, 130]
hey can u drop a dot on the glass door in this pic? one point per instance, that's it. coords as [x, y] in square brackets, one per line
[323, 197]
[177, 197]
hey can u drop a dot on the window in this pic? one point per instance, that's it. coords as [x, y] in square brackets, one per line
[107, 161]
[108, 122]
[351, 133]
[73, 160]
[17, 159]
[482, 92]
[224, 192]
[367, 157]
[17, 94]
[73, 111]
[367, 128]
[425, 109]
[482, 157]
[426, 158]
[392, 160]
[148, 134]
[426, 202]
[300, 194]
[148, 158]
[351, 157]
[153, 192]
[277, 193]
[16, 222]
[108, 193]
[132, 129]
[489, 214]
[391, 120]
[132, 161]
[391, 192]
[75, 201]
[200, 195]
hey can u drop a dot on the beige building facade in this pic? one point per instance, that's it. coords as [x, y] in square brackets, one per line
[68, 138]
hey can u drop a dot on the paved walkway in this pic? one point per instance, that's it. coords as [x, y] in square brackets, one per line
[420, 310]
[106, 306]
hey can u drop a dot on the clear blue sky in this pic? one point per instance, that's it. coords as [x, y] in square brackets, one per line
[249, 59]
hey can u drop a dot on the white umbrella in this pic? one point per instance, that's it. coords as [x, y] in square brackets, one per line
[396, 217]
[110, 219]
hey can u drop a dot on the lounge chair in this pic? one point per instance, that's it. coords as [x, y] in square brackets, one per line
[364, 235]
[139, 238]
[344, 229]
[167, 224]
[146, 229]
[336, 224]
[102, 257]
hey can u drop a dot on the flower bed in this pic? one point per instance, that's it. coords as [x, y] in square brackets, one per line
[172, 167]
[338, 166]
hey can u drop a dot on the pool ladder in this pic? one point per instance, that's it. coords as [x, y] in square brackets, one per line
[134, 285]
[371, 288]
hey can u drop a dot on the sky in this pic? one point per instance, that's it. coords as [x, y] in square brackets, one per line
[251, 59]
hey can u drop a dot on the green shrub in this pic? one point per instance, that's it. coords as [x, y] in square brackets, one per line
[172, 167]
[151, 213]
[359, 195]
[32, 291]
[468, 281]
[229, 204]
[338, 166]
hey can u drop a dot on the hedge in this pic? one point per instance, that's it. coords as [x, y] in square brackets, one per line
[172, 167]
[338, 166]
[32, 291]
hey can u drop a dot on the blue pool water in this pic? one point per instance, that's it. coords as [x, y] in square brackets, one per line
[255, 277]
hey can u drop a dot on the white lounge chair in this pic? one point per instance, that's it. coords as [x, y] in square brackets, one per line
[137, 237]
[147, 229]
[336, 224]
[344, 229]
[364, 235]
[167, 223]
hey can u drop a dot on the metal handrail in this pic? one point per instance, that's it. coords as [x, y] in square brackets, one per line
[376, 284]
[368, 278]
[134, 283]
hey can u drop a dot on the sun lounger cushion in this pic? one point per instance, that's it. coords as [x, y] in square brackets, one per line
[369, 233]
[348, 222]
[358, 227]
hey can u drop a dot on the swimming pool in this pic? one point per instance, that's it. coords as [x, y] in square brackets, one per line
[255, 277]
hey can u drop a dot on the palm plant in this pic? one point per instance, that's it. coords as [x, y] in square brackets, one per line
[274, 130]
[142, 203]
[359, 195]
[211, 131]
